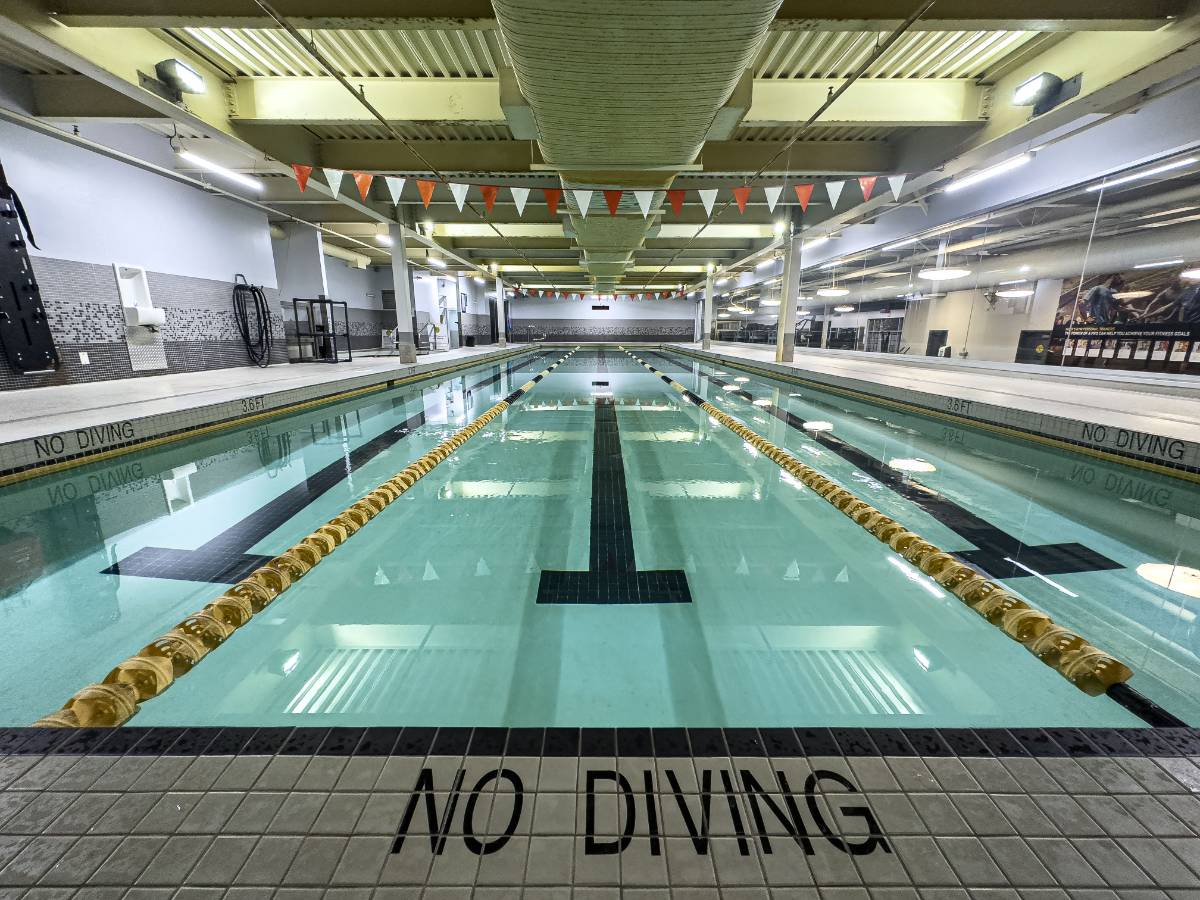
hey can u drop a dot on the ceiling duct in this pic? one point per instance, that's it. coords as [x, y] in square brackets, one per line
[633, 91]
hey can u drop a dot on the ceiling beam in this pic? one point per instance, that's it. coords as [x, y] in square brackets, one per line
[952, 15]
[810, 157]
[869, 101]
[449, 156]
[76, 98]
[315, 100]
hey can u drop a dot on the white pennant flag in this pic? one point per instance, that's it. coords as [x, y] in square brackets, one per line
[519, 195]
[460, 193]
[395, 186]
[834, 189]
[644, 199]
[708, 198]
[896, 182]
[583, 199]
[773, 193]
[334, 177]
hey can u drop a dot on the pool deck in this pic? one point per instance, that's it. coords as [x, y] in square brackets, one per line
[389, 813]
[1140, 417]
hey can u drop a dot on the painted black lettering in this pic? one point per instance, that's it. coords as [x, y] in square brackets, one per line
[652, 812]
[49, 446]
[735, 813]
[875, 837]
[483, 848]
[591, 846]
[793, 822]
[439, 827]
[700, 836]
[1097, 434]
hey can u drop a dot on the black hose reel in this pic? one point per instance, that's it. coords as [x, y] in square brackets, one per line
[253, 317]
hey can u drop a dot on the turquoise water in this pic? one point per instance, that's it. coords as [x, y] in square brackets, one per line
[429, 615]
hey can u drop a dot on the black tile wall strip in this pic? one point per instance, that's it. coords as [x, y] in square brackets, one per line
[1138, 460]
[607, 743]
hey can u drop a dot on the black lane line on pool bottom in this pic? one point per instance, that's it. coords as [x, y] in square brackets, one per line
[999, 554]
[224, 560]
[612, 576]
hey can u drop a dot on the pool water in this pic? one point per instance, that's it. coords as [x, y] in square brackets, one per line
[601, 554]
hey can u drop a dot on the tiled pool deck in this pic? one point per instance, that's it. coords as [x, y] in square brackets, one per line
[491, 813]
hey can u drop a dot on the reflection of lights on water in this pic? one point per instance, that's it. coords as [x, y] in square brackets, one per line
[730, 387]
[1038, 575]
[911, 465]
[921, 658]
[289, 664]
[762, 401]
[818, 425]
[750, 448]
[788, 478]
[741, 379]
[1180, 579]
[795, 395]
[915, 577]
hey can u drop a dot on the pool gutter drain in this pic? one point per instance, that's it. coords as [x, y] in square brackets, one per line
[155, 667]
[1090, 669]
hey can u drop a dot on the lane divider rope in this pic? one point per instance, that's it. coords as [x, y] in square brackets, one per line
[1090, 669]
[156, 666]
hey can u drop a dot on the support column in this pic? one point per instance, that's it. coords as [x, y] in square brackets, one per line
[785, 334]
[501, 319]
[402, 288]
[706, 335]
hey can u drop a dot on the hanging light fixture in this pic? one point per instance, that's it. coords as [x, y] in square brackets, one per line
[941, 271]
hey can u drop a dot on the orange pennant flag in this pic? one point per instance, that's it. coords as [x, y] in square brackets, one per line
[425, 188]
[613, 199]
[553, 195]
[741, 195]
[363, 180]
[302, 173]
[804, 194]
[867, 183]
[676, 198]
[489, 192]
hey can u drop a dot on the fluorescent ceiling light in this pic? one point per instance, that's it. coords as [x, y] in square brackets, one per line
[831, 264]
[746, 312]
[722, 315]
[1190, 274]
[1014, 281]
[209, 166]
[991, 172]
[1015, 292]
[899, 244]
[832, 292]
[943, 273]
[1132, 295]
[765, 263]
[1159, 264]
[478, 280]
[384, 240]
[775, 302]
[1149, 173]
[780, 226]
[180, 76]
[435, 261]
[843, 309]
[889, 274]
[815, 242]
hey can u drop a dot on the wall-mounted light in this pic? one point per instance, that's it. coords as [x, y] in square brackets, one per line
[178, 78]
[384, 240]
[209, 166]
[1038, 89]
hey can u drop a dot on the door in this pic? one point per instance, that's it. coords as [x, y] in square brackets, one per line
[493, 321]
[937, 340]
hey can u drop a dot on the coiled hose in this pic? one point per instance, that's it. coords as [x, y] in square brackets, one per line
[256, 336]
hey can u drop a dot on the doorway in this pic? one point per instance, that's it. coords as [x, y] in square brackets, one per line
[937, 340]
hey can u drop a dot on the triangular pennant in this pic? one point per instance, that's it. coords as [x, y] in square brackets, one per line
[363, 180]
[489, 192]
[804, 194]
[708, 198]
[552, 195]
[772, 194]
[676, 198]
[834, 190]
[302, 173]
[741, 195]
[613, 199]
[334, 177]
[896, 182]
[644, 199]
[395, 186]
[867, 183]
[583, 199]
[519, 195]
[425, 188]
[460, 193]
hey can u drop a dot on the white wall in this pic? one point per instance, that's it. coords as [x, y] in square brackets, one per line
[989, 335]
[88, 208]
[358, 288]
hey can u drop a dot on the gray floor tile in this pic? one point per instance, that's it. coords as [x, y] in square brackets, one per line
[269, 860]
[315, 861]
[77, 864]
[174, 860]
[362, 860]
[223, 860]
[128, 860]
[970, 861]
[35, 859]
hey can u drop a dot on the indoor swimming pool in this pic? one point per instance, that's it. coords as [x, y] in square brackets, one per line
[602, 553]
